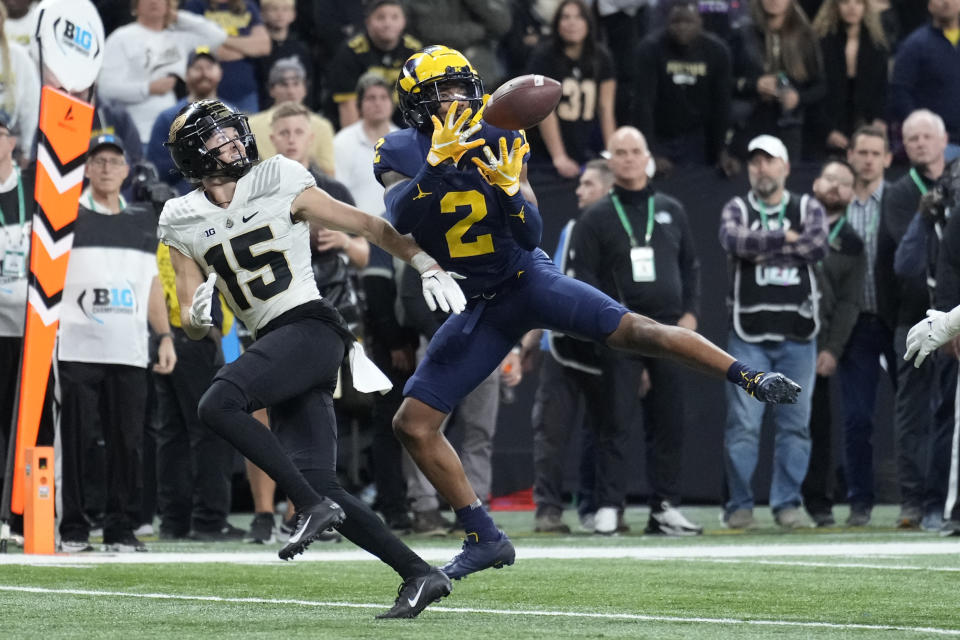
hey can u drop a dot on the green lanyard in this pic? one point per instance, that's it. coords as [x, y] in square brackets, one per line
[763, 214]
[626, 222]
[19, 200]
[836, 229]
[93, 205]
[917, 181]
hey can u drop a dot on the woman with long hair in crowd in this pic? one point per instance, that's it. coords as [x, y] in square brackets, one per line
[855, 59]
[778, 73]
[583, 121]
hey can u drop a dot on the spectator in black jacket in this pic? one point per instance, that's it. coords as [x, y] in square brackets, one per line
[778, 74]
[840, 278]
[681, 90]
[382, 48]
[926, 72]
[871, 339]
[855, 60]
[903, 300]
[635, 245]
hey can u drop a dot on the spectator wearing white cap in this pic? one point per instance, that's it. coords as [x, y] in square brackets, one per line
[774, 238]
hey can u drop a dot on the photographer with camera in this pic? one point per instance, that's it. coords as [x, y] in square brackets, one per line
[923, 409]
[942, 326]
[146, 186]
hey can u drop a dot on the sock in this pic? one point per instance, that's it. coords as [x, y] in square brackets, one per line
[477, 523]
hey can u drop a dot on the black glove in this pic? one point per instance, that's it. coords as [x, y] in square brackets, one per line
[772, 387]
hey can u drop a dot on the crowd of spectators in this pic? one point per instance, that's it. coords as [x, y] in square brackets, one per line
[852, 87]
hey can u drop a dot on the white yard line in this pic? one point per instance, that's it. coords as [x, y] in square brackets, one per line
[830, 565]
[321, 553]
[630, 617]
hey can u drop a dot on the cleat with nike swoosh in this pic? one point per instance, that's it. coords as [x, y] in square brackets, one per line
[311, 524]
[477, 556]
[415, 594]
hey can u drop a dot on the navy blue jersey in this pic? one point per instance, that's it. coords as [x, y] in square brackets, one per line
[462, 224]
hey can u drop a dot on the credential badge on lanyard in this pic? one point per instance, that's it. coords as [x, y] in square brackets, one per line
[641, 256]
[15, 257]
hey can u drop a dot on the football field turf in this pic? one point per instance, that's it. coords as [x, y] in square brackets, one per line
[871, 582]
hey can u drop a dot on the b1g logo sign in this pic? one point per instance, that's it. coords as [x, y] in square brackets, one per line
[101, 301]
[70, 34]
[77, 36]
[81, 39]
[114, 298]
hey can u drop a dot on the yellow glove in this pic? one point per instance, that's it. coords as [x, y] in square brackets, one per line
[504, 172]
[478, 116]
[450, 138]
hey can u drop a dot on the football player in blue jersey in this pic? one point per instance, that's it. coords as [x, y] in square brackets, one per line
[471, 207]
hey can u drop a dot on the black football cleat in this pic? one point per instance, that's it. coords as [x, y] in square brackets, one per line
[776, 388]
[311, 524]
[415, 594]
[477, 556]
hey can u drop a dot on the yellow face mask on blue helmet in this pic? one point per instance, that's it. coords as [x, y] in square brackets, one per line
[422, 76]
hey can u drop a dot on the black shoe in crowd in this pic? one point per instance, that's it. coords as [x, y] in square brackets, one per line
[226, 533]
[262, 529]
[123, 543]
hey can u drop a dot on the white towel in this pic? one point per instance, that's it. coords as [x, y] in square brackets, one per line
[367, 377]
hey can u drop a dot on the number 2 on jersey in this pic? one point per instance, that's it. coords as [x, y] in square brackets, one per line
[459, 248]
[240, 246]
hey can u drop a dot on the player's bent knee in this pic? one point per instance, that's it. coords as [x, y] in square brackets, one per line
[409, 427]
[219, 402]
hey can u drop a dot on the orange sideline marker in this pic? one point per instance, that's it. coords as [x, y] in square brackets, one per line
[38, 527]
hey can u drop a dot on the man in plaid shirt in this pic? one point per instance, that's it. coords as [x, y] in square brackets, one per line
[773, 238]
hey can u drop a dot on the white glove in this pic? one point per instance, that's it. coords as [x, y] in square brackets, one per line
[930, 334]
[440, 289]
[202, 300]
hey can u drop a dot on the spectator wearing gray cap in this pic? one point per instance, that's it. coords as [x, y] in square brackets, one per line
[288, 83]
[354, 144]
[774, 239]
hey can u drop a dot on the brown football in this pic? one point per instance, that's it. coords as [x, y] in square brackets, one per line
[522, 102]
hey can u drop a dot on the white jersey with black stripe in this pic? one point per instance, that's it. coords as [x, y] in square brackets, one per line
[262, 256]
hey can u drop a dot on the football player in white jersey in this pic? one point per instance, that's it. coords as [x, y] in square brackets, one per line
[245, 232]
